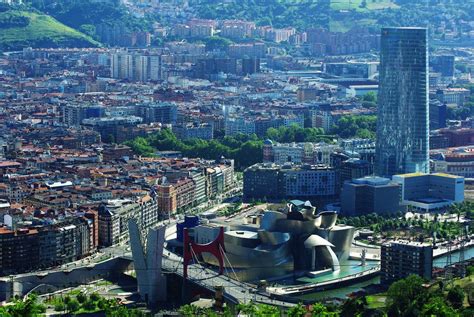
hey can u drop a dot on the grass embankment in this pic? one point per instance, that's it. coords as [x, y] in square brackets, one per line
[358, 5]
[19, 29]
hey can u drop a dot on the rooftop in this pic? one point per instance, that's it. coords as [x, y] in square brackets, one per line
[372, 180]
[411, 175]
[447, 175]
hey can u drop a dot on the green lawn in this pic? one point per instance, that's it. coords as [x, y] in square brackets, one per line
[376, 301]
[356, 5]
[346, 24]
[467, 284]
[42, 31]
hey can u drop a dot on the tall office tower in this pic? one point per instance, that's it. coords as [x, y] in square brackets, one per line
[402, 120]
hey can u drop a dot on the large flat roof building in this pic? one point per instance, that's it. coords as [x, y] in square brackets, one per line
[430, 192]
[370, 195]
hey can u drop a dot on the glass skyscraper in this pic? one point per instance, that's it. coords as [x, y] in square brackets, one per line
[402, 116]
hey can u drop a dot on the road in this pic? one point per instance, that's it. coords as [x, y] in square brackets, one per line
[233, 290]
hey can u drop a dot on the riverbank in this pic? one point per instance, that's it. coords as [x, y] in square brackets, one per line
[325, 285]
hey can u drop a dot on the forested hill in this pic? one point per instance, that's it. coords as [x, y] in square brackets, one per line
[339, 15]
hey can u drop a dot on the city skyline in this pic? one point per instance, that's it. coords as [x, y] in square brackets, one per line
[229, 158]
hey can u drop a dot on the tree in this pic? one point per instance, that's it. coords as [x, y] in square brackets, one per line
[350, 126]
[369, 104]
[297, 311]
[249, 153]
[264, 21]
[353, 307]
[470, 270]
[370, 97]
[122, 311]
[89, 305]
[29, 307]
[73, 305]
[59, 306]
[267, 311]
[88, 29]
[258, 310]
[189, 310]
[296, 133]
[245, 149]
[247, 309]
[436, 306]
[456, 296]
[459, 113]
[217, 43]
[141, 146]
[319, 310]
[81, 297]
[406, 295]
[94, 297]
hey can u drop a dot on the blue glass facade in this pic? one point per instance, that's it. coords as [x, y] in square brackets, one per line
[402, 144]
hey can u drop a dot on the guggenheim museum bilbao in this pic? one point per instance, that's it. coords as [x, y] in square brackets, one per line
[269, 244]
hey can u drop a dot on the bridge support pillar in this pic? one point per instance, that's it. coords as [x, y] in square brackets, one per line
[148, 262]
[215, 247]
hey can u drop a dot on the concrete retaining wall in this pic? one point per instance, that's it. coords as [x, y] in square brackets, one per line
[21, 284]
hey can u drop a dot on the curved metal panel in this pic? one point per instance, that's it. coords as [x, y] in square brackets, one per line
[295, 226]
[273, 238]
[326, 219]
[342, 236]
[316, 241]
[247, 239]
[270, 219]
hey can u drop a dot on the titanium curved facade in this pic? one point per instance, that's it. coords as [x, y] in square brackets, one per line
[287, 240]
[402, 144]
[255, 255]
[341, 237]
[326, 219]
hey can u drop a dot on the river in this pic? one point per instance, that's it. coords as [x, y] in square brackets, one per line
[344, 291]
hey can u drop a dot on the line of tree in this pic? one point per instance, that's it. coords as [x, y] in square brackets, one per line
[13, 21]
[382, 224]
[356, 126]
[31, 306]
[245, 149]
[408, 297]
[295, 133]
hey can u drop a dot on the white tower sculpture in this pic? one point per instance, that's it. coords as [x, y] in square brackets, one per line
[147, 262]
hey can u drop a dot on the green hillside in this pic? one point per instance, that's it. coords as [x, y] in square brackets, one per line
[363, 5]
[19, 29]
